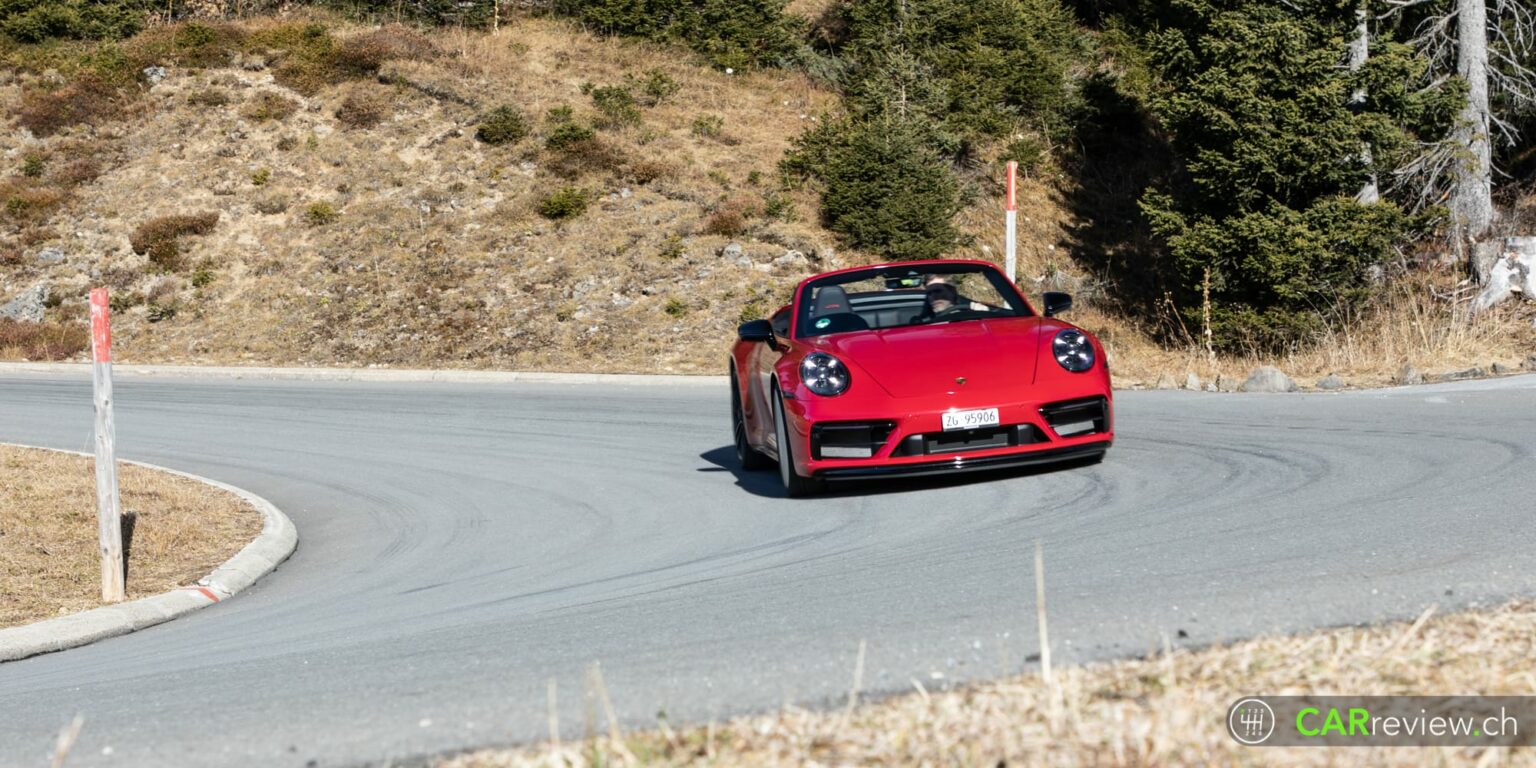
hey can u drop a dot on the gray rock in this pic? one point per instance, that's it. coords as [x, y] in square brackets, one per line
[790, 260]
[1331, 381]
[1164, 381]
[1210, 386]
[50, 256]
[26, 306]
[1530, 363]
[1192, 382]
[1267, 378]
[1226, 384]
[253, 63]
[1408, 375]
[624, 193]
[732, 251]
[154, 74]
[1475, 372]
[1499, 369]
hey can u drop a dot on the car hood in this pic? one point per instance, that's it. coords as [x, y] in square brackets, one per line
[915, 361]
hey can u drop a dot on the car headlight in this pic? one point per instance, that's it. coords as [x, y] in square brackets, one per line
[1073, 350]
[824, 374]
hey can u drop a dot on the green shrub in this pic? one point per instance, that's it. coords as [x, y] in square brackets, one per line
[708, 126]
[658, 86]
[202, 277]
[34, 21]
[32, 165]
[568, 135]
[730, 33]
[160, 238]
[261, 176]
[675, 307]
[883, 186]
[616, 105]
[563, 203]
[320, 213]
[89, 99]
[503, 125]
[559, 115]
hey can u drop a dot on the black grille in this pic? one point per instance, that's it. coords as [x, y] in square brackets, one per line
[969, 440]
[1075, 418]
[849, 440]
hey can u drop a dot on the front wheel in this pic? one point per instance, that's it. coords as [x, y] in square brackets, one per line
[795, 485]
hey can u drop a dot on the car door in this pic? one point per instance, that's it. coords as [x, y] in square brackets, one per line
[765, 358]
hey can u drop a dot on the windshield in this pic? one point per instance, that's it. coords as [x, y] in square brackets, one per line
[895, 297]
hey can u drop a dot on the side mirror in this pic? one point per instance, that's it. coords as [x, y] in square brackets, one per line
[756, 330]
[1056, 303]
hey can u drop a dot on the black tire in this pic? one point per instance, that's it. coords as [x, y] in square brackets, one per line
[795, 486]
[748, 457]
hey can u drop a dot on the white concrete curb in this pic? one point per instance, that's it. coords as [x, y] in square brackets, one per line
[365, 374]
[276, 542]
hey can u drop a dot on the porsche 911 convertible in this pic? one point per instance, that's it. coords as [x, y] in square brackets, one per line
[915, 368]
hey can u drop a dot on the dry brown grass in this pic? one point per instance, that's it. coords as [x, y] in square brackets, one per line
[41, 341]
[1160, 711]
[49, 565]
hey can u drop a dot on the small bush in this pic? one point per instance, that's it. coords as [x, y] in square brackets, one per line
[193, 44]
[32, 165]
[261, 176]
[503, 125]
[567, 135]
[88, 100]
[658, 86]
[35, 22]
[77, 172]
[160, 238]
[559, 115]
[708, 126]
[122, 301]
[362, 110]
[28, 203]
[159, 312]
[321, 213]
[42, 341]
[675, 307]
[616, 105]
[202, 277]
[1029, 152]
[270, 105]
[563, 203]
[362, 56]
[649, 170]
[209, 97]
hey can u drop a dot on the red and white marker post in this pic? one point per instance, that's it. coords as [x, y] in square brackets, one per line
[109, 511]
[1011, 217]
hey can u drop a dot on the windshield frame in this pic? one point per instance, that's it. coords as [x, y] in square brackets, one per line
[1006, 290]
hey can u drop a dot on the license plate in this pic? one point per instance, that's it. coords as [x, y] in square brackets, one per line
[983, 417]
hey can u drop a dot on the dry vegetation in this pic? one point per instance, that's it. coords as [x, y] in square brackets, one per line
[536, 199]
[49, 564]
[1166, 710]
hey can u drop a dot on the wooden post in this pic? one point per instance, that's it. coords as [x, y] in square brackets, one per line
[1011, 216]
[109, 512]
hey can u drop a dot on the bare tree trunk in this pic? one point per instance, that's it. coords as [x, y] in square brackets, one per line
[1359, 53]
[1472, 193]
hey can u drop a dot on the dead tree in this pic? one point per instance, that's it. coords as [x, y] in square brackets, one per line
[1483, 42]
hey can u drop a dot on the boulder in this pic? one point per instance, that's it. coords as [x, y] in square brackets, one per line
[50, 256]
[732, 251]
[26, 306]
[1330, 382]
[1530, 363]
[1408, 375]
[1267, 378]
[1192, 382]
[1499, 369]
[1226, 383]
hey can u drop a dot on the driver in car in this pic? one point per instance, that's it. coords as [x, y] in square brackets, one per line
[940, 297]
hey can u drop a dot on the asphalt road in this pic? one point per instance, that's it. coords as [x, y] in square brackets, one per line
[460, 545]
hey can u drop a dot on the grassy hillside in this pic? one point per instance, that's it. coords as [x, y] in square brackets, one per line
[305, 192]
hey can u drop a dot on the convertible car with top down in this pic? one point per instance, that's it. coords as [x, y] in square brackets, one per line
[915, 368]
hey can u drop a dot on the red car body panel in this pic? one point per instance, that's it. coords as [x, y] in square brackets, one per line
[908, 377]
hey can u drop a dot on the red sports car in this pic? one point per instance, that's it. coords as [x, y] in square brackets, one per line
[912, 369]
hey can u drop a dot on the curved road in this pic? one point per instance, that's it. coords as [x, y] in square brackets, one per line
[462, 544]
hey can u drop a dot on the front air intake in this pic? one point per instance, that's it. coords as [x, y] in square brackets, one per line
[1076, 418]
